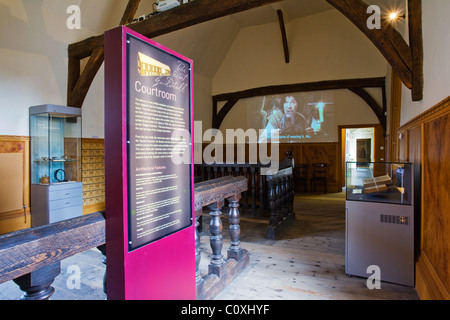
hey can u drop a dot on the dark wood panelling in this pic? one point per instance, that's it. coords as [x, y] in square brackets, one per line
[436, 216]
[426, 142]
[309, 153]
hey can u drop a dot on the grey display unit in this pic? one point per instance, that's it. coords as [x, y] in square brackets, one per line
[380, 221]
[55, 143]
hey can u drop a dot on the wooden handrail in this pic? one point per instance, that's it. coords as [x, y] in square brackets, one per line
[42, 248]
[211, 191]
[28, 250]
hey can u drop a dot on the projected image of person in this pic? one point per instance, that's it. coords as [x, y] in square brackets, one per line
[291, 124]
[274, 109]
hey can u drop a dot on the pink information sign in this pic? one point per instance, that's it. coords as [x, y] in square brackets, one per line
[148, 170]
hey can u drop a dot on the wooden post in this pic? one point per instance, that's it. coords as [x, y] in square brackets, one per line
[261, 191]
[216, 239]
[198, 277]
[37, 284]
[235, 250]
[102, 249]
[284, 198]
[273, 220]
[279, 200]
[253, 178]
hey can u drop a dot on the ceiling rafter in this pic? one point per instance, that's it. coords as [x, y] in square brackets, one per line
[357, 86]
[78, 84]
[283, 35]
[406, 60]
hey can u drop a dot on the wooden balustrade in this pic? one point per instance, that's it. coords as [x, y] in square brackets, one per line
[31, 257]
[269, 196]
[253, 200]
[213, 194]
[281, 202]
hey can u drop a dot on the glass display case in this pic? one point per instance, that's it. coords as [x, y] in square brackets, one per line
[379, 221]
[55, 144]
[55, 154]
[386, 182]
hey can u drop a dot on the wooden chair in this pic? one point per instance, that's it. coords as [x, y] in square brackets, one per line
[300, 171]
[319, 176]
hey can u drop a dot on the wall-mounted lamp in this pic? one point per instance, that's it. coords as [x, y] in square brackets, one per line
[395, 16]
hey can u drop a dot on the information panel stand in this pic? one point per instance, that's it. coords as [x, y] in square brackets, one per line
[150, 247]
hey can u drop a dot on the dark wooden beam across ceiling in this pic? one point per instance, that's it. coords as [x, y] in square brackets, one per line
[78, 84]
[416, 44]
[357, 86]
[390, 42]
[283, 35]
[406, 60]
[183, 16]
[186, 15]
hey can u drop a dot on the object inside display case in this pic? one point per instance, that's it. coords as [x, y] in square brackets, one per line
[379, 182]
[55, 144]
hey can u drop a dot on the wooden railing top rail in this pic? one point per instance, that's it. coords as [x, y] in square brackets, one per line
[28, 250]
[281, 173]
[210, 191]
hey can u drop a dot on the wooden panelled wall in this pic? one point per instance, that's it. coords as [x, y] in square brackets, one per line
[15, 181]
[309, 153]
[306, 153]
[425, 141]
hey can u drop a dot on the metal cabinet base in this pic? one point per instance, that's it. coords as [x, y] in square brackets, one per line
[56, 202]
[382, 235]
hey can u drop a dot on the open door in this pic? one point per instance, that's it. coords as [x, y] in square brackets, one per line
[360, 143]
[363, 152]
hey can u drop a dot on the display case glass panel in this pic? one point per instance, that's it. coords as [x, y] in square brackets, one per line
[386, 182]
[55, 144]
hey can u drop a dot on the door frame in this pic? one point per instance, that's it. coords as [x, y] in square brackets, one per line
[379, 147]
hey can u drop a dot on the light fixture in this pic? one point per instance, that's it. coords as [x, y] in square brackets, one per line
[164, 5]
[395, 16]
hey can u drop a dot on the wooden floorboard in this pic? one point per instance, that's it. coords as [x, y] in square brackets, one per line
[308, 262]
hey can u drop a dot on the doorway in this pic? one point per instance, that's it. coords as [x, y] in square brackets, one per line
[357, 145]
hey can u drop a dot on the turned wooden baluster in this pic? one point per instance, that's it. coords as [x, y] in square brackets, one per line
[216, 239]
[37, 284]
[291, 193]
[235, 250]
[284, 198]
[261, 191]
[273, 220]
[279, 194]
[102, 249]
[253, 180]
[198, 277]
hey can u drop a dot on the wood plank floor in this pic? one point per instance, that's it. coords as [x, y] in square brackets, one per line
[307, 263]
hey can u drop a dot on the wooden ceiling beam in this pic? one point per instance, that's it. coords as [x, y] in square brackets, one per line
[78, 84]
[304, 87]
[416, 44]
[406, 60]
[183, 16]
[357, 86]
[387, 39]
[283, 35]
[186, 15]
